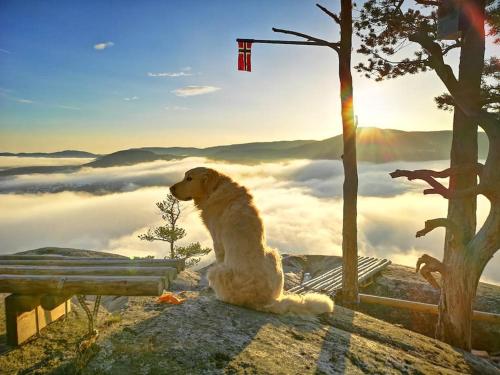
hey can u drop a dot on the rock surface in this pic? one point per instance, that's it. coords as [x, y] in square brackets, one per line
[205, 336]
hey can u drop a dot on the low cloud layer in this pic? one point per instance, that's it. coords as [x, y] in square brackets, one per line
[300, 203]
[321, 178]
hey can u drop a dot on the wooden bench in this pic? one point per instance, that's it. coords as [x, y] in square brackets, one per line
[331, 281]
[41, 286]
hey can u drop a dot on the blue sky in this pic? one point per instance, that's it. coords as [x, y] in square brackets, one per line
[108, 75]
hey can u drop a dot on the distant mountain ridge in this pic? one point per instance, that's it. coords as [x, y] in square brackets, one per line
[57, 154]
[128, 157]
[373, 145]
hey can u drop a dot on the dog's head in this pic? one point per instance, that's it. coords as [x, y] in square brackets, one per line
[198, 183]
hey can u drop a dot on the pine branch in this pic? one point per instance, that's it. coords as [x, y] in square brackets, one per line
[428, 2]
[331, 14]
[452, 46]
[487, 121]
[398, 7]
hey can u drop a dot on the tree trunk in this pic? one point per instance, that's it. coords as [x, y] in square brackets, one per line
[461, 272]
[350, 187]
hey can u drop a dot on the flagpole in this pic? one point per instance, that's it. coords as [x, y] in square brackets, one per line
[350, 294]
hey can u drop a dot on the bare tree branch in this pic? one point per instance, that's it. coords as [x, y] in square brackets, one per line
[431, 264]
[425, 175]
[429, 176]
[432, 224]
[335, 46]
[453, 171]
[331, 14]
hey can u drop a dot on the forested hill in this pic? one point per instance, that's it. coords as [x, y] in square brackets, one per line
[374, 145]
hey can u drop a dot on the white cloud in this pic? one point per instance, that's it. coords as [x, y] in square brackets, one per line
[131, 98]
[104, 45]
[25, 101]
[186, 69]
[5, 51]
[170, 74]
[176, 108]
[194, 90]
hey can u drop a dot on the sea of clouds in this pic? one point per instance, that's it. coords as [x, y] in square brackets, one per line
[300, 202]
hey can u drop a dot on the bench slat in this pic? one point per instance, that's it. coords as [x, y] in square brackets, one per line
[107, 262]
[331, 280]
[168, 272]
[89, 285]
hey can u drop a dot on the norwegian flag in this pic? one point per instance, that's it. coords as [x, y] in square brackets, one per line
[244, 54]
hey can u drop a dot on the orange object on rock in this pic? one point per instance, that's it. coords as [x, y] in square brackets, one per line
[169, 297]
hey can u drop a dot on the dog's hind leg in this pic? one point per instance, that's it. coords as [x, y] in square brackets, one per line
[220, 279]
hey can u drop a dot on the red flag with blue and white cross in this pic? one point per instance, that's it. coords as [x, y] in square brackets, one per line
[244, 56]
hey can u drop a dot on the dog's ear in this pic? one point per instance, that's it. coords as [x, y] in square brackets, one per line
[211, 181]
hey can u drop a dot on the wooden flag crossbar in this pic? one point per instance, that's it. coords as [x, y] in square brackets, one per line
[296, 42]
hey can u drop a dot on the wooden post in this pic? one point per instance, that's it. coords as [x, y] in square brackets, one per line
[350, 187]
[25, 318]
[427, 308]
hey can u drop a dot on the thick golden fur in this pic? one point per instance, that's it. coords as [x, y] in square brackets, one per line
[246, 272]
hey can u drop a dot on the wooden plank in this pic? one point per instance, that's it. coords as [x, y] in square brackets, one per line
[423, 307]
[52, 257]
[332, 280]
[179, 264]
[169, 272]
[329, 274]
[337, 281]
[364, 273]
[75, 284]
[22, 324]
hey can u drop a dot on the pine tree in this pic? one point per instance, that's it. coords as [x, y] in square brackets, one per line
[386, 28]
[171, 233]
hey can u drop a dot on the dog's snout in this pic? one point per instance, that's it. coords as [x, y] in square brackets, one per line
[172, 189]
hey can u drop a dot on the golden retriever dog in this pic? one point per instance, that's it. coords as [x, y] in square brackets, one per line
[247, 272]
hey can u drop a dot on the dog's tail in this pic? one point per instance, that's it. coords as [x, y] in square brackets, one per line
[307, 304]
